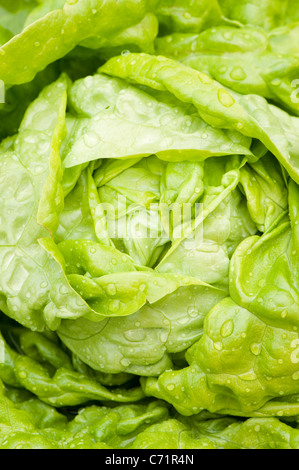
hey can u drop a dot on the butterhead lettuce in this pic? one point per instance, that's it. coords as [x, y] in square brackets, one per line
[149, 224]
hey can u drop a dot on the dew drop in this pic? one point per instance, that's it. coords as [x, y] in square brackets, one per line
[192, 312]
[125, 362]
[163, 337]
[222, 69]
[228, 35]
[80, 302]
[134, 335]
[238, 74]
[204, 78]
[218, 345]
[90, 140]
[249, 376]
[170, 387]
[227, 328]
[225, 98]
[63, 290]
[111, 289]
[255, 348]
[295, 376]
[114, 305]
[38, 169]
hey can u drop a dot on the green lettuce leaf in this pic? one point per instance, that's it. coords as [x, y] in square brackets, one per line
[149, 235]
[173, 130]
[27, 423]
[193, 17]
[268, 14]
[266, 192]
[142, 343]
[247, 356]
[78, 22]
[13, 16]
[46, 371]
[248, 114]
[205, 249]
[247, 60]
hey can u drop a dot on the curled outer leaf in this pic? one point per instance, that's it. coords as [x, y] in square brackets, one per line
[249, 115]
[56, 33]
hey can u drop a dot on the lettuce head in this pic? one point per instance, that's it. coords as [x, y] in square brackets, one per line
[149, 224]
